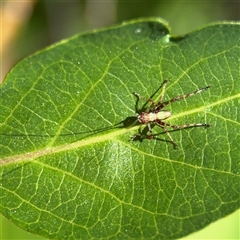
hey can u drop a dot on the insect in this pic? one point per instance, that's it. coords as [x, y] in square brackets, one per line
[156, 115]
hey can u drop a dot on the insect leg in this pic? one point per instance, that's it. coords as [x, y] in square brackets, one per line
[183, 96]
[189, 125]
[163, 92]
[150, 136]
[135, 135]
[162, 125]
[141, 98]
[183, 126]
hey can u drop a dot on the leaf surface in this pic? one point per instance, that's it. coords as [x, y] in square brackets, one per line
[68, 168]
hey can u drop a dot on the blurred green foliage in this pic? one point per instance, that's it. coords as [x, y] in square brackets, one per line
[53, 21]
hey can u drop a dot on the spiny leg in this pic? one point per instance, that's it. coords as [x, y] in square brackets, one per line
[166, 131]
[159, 122]
[190, 125]
[163, 91]
[151, 100]
[161, 96]
[182, 96]
[164, 124]
[150, 131]
[141, 98]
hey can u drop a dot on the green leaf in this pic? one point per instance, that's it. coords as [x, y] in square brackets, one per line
[68, 168]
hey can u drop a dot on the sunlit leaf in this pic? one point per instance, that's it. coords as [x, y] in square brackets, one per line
[68, 168]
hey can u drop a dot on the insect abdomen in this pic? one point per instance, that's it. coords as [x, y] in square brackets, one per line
[152, 116]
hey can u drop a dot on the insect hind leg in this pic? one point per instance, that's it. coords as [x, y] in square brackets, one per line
[162, 125]
[183, 96]
[190, 125]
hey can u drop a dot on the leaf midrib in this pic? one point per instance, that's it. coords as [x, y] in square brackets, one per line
[102, 138]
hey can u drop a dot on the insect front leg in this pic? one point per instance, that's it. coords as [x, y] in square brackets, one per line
[141, 135]
[141, 98]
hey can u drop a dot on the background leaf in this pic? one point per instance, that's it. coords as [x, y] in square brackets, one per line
[68, 168]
